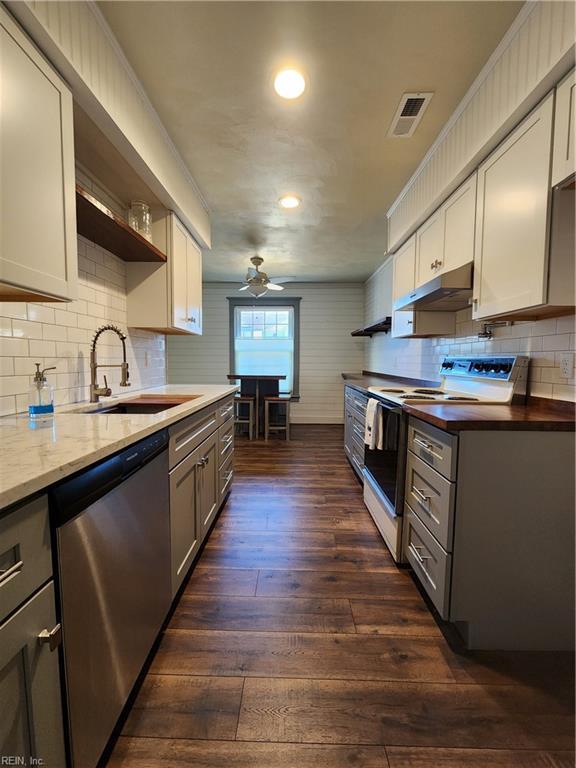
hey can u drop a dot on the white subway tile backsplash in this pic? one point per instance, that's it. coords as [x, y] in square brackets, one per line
[24, 329]
[7, 365]
[40, 314]
[65, 318]
[10, 347]
[561, 341]
[60, 335]
[54, 332]
[13, 309]
[40, 349]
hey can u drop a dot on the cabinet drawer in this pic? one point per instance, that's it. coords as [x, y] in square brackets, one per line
[358, 429]
[226, 475]
[357, 401]
[357, 457]
[431, 496]
[25, 553]
[431, 563]
[226, 410]
[436, 448]
[225, 441]
[189, 433]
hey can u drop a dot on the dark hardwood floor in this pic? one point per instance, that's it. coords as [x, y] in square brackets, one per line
[299, 644]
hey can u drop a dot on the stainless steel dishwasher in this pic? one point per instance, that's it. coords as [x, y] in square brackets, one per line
[112, 525]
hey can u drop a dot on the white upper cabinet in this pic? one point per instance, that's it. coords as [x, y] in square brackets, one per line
[404, 269]
[563, 163]
[429, 248]
[167, 297]
[510, 259]
[446, 240]
[38, 256]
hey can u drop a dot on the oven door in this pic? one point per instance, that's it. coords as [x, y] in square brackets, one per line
[387, 466]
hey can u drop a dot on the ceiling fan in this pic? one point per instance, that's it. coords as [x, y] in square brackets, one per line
[258, 283]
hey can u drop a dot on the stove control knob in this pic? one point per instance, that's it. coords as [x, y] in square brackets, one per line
[478, 367]
[486, 367]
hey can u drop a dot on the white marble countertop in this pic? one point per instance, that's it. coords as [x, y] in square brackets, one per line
[36, 455]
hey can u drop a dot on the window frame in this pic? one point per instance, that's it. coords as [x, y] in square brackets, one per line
[272, 302]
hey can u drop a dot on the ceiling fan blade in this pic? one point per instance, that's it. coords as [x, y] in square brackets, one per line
[274, 287]
[279, 280]
[244, 288]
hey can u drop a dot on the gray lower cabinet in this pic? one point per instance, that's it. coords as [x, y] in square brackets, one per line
[199, 482]
[354, 417]
[489, 532]
[184, 516]
[31, 721]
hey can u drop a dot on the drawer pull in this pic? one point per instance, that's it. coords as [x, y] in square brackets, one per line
[227, 410]
[421, 496]
[8, 574]
[415, 551]
[228, 440]
[228, 477]
[427, 446]
[52, 637]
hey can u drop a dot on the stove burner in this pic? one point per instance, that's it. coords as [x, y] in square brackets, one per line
[457, 397]
[411, 396]
[383, 389]
[428, 391]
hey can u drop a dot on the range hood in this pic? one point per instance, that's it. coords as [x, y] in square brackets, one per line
[448, 292]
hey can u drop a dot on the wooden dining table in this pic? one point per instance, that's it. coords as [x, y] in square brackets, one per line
[258, 386]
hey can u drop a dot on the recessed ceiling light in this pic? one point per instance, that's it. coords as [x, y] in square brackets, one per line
[289, 83]
[289, 201]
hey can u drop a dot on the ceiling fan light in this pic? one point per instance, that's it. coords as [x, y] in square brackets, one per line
[257, 290]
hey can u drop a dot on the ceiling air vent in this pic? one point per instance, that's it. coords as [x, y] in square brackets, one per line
[409, 113]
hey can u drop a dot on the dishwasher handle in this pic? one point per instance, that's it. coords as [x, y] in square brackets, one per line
[73, 495]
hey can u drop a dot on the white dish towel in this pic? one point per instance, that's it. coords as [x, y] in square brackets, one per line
[374, 425]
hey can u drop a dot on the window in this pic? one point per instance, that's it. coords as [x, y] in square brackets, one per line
[264, 339]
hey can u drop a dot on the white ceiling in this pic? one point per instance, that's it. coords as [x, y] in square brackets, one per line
[208, 69]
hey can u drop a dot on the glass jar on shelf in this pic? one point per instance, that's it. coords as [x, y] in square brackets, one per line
[139, 218]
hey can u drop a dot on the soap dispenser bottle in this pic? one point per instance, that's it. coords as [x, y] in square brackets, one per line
[41, 400]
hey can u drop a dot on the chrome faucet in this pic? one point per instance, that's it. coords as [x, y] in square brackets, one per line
[97, 391]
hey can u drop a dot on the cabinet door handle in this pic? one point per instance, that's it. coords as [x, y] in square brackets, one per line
[52, 637]
[203, 461]
[8, 574]
[427, 447]
[415, 551]
[421, 496]
[191, 319]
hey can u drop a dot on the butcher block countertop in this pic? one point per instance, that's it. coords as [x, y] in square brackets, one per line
[540, 414]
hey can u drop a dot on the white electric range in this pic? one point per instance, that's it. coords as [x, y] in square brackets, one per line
[480, 380]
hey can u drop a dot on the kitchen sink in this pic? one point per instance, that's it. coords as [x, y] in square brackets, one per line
[143, 404]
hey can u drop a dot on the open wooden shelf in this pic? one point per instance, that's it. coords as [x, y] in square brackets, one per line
[381, 326]
[100, 225]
